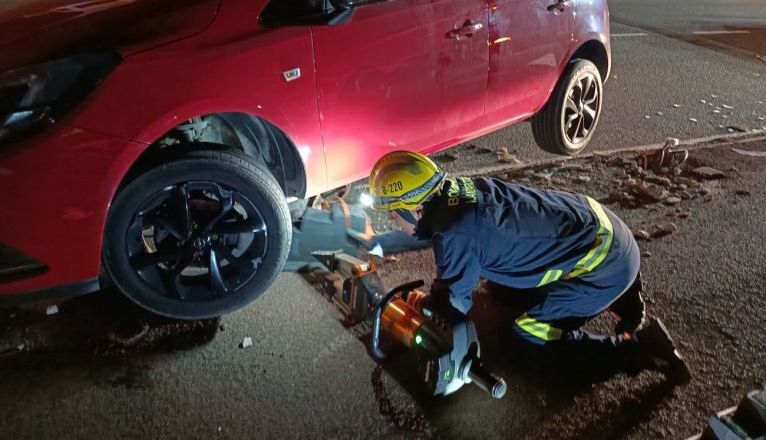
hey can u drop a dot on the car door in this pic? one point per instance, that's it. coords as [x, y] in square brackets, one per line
[528, 42]
[401, 74]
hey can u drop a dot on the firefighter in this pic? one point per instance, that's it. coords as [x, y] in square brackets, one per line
[577, 254]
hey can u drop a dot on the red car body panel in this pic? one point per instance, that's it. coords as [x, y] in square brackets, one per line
[529, 47]
[52, 28]
[394, 76]
[55, 201]
[392, 79]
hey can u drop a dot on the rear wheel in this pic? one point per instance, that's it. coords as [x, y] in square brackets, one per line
[199, 236]
[568, 120]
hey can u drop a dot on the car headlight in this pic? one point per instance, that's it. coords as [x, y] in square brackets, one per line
[44, 92]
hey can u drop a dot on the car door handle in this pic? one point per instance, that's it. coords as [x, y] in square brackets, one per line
[467, 30]
[559, 6]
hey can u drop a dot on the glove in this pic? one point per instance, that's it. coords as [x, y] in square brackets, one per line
[435, 306]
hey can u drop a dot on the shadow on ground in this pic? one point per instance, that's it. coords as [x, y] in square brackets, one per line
[552, 394]
[102, 335]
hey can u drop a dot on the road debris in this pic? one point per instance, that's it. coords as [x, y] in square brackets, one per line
[677, 105]
[737, 128]
[693, 120]
[672, 200]
[728, 107]
[749, 153]
[246, 343]
[484, 149]
[708, 173]
[663, 181]
[576, 167]
[452, 154]
[646, 254]
[503, 156]
[651, 193]
[128, 334]
[20, 347]
[664, 229]
[52, 310]
[641, 234]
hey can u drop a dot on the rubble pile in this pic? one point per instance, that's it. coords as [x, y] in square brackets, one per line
[664, 182]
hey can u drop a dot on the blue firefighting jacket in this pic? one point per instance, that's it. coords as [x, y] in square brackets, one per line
[513, 235]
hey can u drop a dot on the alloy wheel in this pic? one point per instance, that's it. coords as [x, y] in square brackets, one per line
[581, 109]
[196, 241]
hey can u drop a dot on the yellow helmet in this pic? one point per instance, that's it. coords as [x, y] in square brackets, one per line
[403, 180]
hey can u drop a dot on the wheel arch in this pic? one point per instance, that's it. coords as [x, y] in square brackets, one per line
[255, 136]
[596, 52]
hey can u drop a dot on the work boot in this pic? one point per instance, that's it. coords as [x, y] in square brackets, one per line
[629, 309]
[660, 353]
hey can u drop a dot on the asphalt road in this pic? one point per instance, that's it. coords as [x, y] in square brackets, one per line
[651, 74]
[704, 22]
[309, 376]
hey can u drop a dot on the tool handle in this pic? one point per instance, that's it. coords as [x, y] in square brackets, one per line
[486, 380]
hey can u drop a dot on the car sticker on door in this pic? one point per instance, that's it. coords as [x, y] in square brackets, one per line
[292, 74]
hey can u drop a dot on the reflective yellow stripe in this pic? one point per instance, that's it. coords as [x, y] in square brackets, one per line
[539, 329]
[604, 238]
[551, 276]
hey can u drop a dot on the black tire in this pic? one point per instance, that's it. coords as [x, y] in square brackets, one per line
[215, 201]
[550, 127]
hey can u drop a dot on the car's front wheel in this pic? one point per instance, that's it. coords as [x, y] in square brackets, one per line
[568, 120]
[199, 236]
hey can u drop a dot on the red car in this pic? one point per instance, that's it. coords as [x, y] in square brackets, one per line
[158, 144]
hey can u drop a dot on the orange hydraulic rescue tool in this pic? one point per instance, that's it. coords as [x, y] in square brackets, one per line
[451, 354]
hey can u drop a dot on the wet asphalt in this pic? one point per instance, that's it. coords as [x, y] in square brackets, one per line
[308, 376]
